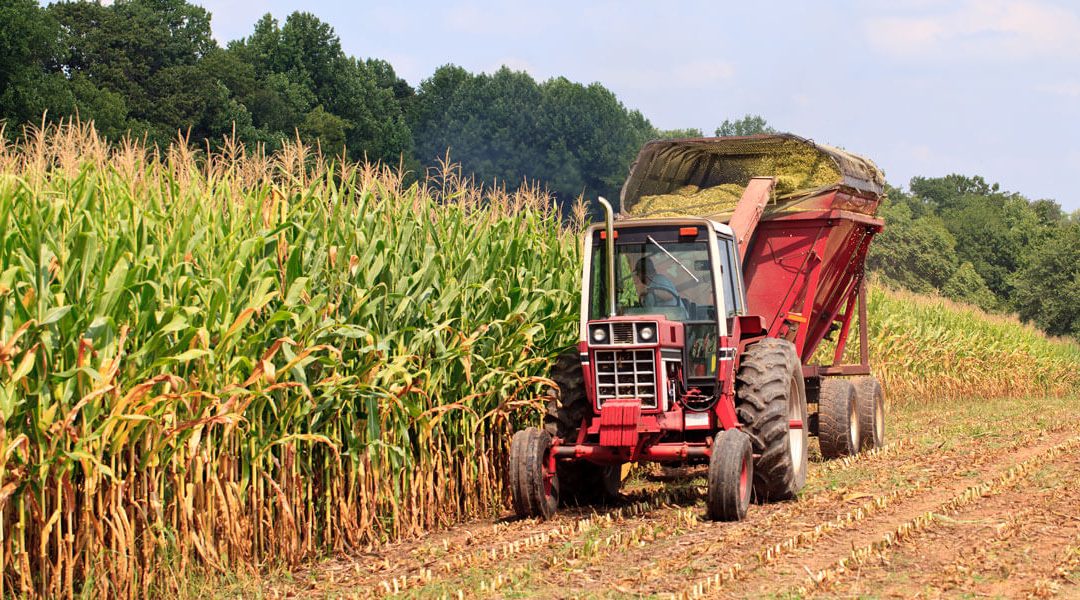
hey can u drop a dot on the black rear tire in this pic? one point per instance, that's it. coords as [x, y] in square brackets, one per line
[770, 393]
[534, 491]
[870, 404]
[580, 482]
[838, 419]
[731, 475]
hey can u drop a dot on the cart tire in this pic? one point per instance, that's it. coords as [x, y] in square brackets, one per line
[870, 401]
[838, 419]
[581, 482]
[534, 491]
[731, 475]
[770, 394]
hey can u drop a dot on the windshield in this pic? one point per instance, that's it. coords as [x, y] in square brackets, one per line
[653, 277]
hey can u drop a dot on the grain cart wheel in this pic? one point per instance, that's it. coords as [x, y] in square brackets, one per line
[580, 482]
[770, 401]
[838, 419]
[870, 404]
[533, 486]
[731, 474]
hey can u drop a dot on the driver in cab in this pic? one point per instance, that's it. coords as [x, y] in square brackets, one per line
[654, 289]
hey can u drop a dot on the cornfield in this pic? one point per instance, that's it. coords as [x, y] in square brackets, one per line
[927, 349]
[225, 360]
[228, 358]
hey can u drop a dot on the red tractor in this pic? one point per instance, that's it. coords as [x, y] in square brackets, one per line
[697, 331]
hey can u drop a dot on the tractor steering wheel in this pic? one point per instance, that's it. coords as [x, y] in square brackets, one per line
[666, 297]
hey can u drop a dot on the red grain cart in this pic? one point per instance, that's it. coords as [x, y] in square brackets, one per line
[698, 330]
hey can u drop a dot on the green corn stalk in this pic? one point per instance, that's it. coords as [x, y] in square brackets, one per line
[205, 366]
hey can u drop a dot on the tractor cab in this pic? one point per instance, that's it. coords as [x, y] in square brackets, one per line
[676, 286]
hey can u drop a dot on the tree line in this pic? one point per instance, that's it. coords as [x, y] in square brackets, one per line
[967, 239]
[151, 69]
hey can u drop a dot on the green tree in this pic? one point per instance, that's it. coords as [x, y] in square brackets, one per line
[748, 125]
[299, 66]
[675, 134]
[147, 53]
[601, 136]
[944, 192]
[325, 130]
[1048, 286]
[965, 285]
[365, 94]
[1048, 212]
[506, 127]
[30, 83]
[993, 229]
[104, 107]
[916, 253]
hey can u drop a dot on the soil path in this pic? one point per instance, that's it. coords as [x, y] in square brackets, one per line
[976, 501]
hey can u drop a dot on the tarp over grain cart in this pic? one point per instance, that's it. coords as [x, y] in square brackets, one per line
[703, 176]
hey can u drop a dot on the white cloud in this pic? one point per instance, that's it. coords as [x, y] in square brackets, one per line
[467, 18]
[920, 152]
[994, 29]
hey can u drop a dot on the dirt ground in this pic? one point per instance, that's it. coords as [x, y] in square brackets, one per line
[973, 499]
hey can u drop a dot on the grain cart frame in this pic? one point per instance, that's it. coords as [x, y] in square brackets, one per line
[709, 361]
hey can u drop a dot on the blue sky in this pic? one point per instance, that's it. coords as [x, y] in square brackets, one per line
[923, 87]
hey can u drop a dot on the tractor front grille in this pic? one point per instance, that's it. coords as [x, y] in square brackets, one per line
[622, 333]
[626, 374]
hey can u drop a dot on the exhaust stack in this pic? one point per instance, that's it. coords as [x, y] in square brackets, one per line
[609, 226]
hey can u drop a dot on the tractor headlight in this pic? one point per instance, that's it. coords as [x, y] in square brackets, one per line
[647, 333]
[599, 334]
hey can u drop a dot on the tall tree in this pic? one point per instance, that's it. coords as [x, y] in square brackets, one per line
[304, 83]
[1048, 286]
[748, 125]
[993, 229]
[30, 82]
[916, 253]
[147, 53]
[506, 127]
[674, 134]
[943, 193]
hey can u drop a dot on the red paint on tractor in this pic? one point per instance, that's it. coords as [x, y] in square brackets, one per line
[619, 423]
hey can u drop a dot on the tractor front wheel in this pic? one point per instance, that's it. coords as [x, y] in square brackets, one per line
[838, 419]
[533, 485]
[731, 475]
[580, 482]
